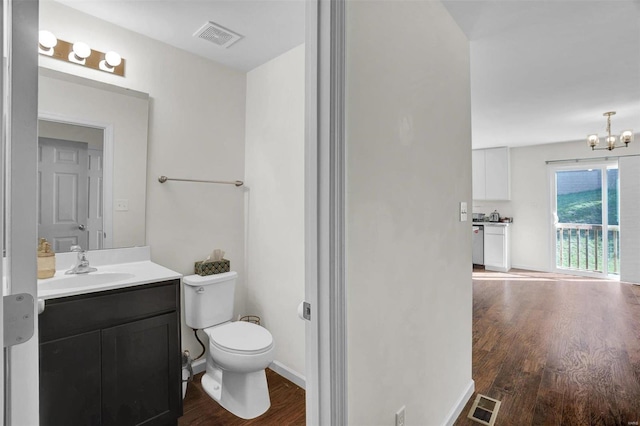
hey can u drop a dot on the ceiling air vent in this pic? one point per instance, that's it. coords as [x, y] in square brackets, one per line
[217, 34]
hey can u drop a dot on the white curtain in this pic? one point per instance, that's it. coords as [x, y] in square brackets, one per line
[629, 169]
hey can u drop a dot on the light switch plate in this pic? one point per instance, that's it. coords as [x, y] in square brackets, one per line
[463, 211]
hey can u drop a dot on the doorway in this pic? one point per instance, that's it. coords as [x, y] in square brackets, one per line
[585, 206]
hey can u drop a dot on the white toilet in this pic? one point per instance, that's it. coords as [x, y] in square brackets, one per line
[238, 352]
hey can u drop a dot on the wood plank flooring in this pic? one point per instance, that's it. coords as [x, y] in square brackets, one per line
[556, 349]
[287, 406]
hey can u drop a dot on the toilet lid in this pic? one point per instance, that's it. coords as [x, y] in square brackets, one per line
[240, 336]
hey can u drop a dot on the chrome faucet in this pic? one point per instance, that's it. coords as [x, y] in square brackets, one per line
[82, 266]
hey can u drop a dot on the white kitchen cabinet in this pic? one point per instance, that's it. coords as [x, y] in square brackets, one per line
[490, 174]
[478, 174]
[497, 247]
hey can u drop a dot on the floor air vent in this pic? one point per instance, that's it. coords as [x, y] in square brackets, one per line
[217, 34]
[484, 410]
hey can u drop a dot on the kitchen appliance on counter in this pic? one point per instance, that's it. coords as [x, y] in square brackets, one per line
[478, 217]
[494, 217]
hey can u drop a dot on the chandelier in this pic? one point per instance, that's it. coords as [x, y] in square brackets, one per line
[626, 137]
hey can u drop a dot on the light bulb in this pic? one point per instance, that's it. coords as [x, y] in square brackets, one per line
[593, 140]
[113, 59]
[626, 136]
[81, 50]
[110, 62]
[611, 142]
[46, 39]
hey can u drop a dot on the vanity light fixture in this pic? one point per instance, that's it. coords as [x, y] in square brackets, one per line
[626, 137]
[80, 53]
[46, 42]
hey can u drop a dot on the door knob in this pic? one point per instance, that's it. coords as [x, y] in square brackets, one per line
[82, 227]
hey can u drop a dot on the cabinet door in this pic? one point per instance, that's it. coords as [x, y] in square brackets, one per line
[493, 250]
[141, 372]
[70, 381]
[478, 174]
[497, 174]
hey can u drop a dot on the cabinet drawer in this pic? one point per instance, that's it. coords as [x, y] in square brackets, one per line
[494, 230]
[77, 314]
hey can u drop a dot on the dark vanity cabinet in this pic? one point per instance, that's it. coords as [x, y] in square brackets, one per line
[112, 357]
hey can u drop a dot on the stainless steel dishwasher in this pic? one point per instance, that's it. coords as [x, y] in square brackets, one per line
[478, 244]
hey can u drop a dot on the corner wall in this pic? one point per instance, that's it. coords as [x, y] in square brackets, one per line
[274, 164]
[409, 286]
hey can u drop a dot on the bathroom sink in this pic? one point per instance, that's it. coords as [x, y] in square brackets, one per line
[83, 280]
[117, 268]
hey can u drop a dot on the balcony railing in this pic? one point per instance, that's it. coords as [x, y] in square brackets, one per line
[579, 247]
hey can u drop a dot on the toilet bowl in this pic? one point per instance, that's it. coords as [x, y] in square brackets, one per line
[238, 351]
[238, 354]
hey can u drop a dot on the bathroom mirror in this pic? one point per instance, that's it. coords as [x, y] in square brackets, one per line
[92, 162]
[71, 209]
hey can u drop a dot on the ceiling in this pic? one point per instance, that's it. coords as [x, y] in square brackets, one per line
[541, 71]
[269, 27]
[545, 71]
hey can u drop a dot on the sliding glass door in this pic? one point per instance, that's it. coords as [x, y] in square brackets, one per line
[586, 226]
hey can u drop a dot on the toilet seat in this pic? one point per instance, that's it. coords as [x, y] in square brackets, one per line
[240, 337]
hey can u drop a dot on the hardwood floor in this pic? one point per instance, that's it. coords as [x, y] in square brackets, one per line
[556, 349]
[287, 406]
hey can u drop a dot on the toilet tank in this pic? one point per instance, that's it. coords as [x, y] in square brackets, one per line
[208, 300]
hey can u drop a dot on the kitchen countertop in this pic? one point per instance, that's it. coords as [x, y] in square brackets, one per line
[492, 223]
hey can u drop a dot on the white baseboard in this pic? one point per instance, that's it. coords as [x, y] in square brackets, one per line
[293, 376]
[530, 268]
[496, 268]
[462, 401]
[199, 366]
[289, 374]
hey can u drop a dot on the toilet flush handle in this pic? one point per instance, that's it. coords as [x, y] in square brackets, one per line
[200, 290]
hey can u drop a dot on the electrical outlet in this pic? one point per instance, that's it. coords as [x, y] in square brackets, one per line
[400, 416]
[122, 205]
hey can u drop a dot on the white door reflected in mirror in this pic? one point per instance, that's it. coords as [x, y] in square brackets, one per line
[70, 186]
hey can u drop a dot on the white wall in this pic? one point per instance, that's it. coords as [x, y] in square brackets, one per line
[409, 287]
[196, 130]
[629, 219]
[532, 230]
[274, 177]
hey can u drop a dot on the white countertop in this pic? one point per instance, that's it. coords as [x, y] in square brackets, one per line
[492, 223]
[138, 270]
